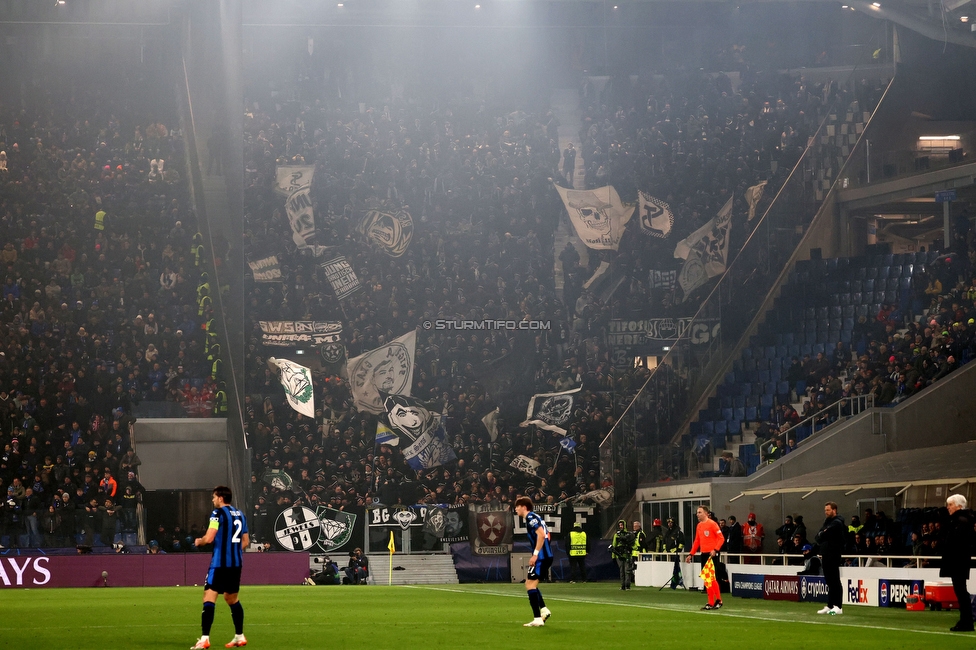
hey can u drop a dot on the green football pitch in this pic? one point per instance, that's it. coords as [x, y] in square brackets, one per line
[595, 615]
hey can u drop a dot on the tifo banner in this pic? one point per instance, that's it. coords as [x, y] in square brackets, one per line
[278, 479]
[636, 332]
[266, 270]
[322, 530]
[753, 196]
[490, 529]
[552, 411]
[387, 369]
[747, 585]
[294, 333]
[403, 517]
[292, 178]
[656, 218]
[423, 429]
[340, 275]
[298, 206]
[446, 524]
[297, 382]
[597, 215]
[705, 251]
[525, 464]
[391, 231]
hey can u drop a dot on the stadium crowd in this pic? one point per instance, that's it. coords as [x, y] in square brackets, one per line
[477, 185]
[100, 303]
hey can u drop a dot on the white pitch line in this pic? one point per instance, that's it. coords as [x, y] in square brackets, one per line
[686, 610]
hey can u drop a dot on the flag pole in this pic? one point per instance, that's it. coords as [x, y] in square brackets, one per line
[392, 548]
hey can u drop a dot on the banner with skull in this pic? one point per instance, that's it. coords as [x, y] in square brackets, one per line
[552, 411]
[598, 215]
[705, 251]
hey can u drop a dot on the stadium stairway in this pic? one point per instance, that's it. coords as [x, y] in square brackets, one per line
[432, 569]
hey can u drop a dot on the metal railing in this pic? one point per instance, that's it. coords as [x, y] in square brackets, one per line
[796, 560]
[836, 412]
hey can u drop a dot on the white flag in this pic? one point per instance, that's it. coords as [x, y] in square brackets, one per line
[598, 216]
[491, 423]
[753, 196]
[705, 251]
[297, 382]
[526, 464]
[299, 209]
[292, 178]
[387, 370]
[656, 217]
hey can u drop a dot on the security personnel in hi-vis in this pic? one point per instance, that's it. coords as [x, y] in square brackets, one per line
[577, 553]
[220, 400]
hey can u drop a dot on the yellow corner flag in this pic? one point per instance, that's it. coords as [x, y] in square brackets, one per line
[392, 547]
[708, 573]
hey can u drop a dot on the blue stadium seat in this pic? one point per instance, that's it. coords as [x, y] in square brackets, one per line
[783, 388]
[695, 429]
[734, 427]
[860, 273]
[848, 324]
[806, 349]
[720, 427]
[747, 353]
[887, 259]
[781, 351]
[726, 413]
[845, 336]
[881, 284]
[883, 271]
[848, 311]
[894, 272]
[775, 374]
[794, 350]
[844, 299]
[750, 414]
[725, 402]
[868, 286]
[871, 272]
[766, 403]
[771, 387]
[905, 284]
[752, 401]
[730, 378]
[764, 376]
[708, 428]
[739, 413]
[818, 348]
[906, 270]
[861, 310]
[801, 387]
[857, 286]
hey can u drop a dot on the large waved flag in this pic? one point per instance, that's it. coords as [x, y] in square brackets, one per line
[705, 251]
[297, 382]
[426, 440]
[597, 215]
[552, 411]
[568, 444]
[387, 369]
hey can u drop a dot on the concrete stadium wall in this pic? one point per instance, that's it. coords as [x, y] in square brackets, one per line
[144, 570]
[182, 453]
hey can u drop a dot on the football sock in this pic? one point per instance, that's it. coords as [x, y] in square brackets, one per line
[534, 601]
[207, 617]
[237, 613]
[542, 602]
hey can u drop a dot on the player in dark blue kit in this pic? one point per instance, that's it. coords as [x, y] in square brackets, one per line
[228, 534]
[540, 561]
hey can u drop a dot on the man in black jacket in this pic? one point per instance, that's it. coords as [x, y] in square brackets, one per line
[957, 548]
[830, 545]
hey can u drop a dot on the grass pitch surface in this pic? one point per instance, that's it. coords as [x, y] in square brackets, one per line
[453, 616]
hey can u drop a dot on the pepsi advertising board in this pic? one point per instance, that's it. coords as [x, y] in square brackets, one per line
[895, 593]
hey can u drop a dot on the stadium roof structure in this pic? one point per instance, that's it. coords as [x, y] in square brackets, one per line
[953, 465]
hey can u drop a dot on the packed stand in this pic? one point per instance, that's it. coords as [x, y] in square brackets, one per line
[99, 302]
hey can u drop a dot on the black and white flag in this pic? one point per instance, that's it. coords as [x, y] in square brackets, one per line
[705, 251]
[597, 215]
[292, 178]
[390, 231]
[341, 276]
[552, 411]
[656, 217]
[663, 279]
[387, 370]
[422, 428]
[266, 270]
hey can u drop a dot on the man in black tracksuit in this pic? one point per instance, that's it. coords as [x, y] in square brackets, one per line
[830, 545]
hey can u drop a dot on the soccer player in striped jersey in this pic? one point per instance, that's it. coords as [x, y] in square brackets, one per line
[540, 561]
[228, 534]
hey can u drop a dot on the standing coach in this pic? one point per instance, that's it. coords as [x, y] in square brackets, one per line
[830, 546]
[957, 551]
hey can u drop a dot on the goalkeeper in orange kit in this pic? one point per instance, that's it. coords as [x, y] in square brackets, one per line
[708, 540]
